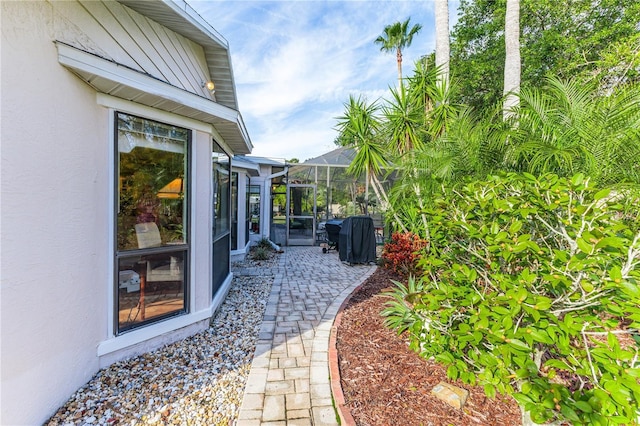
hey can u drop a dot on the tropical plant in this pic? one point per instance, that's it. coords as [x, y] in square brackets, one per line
[530, 288]
[567, 127]
[396, 37]
[359, 128]
[404, 122]
[260, 253]
[402, 252]
[264, 243]
[413, 120]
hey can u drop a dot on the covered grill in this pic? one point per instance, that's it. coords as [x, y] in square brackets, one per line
[357, 240]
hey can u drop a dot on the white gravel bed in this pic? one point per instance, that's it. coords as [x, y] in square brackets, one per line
[197, 381]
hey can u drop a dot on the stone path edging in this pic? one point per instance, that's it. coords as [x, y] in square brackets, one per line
[346, 419]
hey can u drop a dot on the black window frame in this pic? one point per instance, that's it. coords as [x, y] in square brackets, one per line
[167, 250]
[221, 240]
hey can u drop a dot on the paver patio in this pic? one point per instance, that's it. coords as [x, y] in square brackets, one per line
[289, 379]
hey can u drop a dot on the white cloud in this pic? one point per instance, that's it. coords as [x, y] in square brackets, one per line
[296, 62]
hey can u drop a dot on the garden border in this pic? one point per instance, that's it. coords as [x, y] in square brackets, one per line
[344, 414]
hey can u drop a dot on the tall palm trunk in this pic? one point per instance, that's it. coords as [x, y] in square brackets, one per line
[399, 60]
[442, 39]
[512, 57]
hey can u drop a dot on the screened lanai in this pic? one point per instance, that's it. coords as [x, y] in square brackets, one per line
[320, 189]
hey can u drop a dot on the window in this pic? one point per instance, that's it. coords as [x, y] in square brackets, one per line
[254, 208]
[234, 211]
[221, 185]
[221, 177]
[151, 214]
[247, 212]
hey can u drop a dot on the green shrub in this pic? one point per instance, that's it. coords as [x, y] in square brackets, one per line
[402, 252]
[260, 253]
[531, 288]
[265, 244]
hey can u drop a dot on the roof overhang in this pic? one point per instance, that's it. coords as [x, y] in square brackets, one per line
[123, 82]
[239, 162]
[181, 18]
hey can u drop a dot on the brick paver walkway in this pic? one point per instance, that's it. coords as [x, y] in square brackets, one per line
[289, 379]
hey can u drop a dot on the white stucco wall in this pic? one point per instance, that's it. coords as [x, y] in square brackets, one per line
[201, 241]
[56, 225]
[54, 206]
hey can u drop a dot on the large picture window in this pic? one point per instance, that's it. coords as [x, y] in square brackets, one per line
[151, 237]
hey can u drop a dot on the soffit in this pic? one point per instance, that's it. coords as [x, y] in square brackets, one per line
[123, 82]
[178, 16]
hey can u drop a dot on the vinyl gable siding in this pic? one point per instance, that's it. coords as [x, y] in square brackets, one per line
[122, 35]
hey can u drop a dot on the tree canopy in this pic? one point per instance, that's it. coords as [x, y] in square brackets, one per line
[396, 37]
[566, 38]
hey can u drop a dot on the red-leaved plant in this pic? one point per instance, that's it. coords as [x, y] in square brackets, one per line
[401, 254]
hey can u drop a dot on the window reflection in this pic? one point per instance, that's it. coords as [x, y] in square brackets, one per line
[254, 208]
[150, 287]
[152, 165]
[221, 186]
[151, 221]
[234, 210]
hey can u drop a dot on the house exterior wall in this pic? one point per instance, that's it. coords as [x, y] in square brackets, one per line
[201, 243]
[55, 170]
[57, 195]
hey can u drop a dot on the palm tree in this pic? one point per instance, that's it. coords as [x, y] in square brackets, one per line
[442, 39]
[568, 127]
[433, 95]
[359, 128]
[396, 37]
[404, 121]
[512, 67]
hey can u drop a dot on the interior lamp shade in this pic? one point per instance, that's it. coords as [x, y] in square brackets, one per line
[171, 190]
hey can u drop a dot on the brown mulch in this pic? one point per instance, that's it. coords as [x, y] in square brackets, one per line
[385, 383]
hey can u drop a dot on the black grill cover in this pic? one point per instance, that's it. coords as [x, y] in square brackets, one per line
[357, 241]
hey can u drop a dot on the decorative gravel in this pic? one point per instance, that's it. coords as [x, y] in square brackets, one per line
[197, 381]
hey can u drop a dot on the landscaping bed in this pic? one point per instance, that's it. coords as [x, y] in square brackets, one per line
[385, 383]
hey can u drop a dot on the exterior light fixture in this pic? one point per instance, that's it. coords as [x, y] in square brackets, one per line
[209, 85]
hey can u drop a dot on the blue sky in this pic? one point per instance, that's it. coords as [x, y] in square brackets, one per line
[295, 63]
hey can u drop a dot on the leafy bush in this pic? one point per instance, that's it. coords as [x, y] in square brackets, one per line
[264, 243]
[260, 253]
[401, 254]
[531, 288]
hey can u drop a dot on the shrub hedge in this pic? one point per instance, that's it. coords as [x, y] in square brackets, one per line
[531, 288]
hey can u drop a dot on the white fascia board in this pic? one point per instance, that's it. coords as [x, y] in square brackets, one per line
[89, 63]
[245, 134]
[189, 13]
